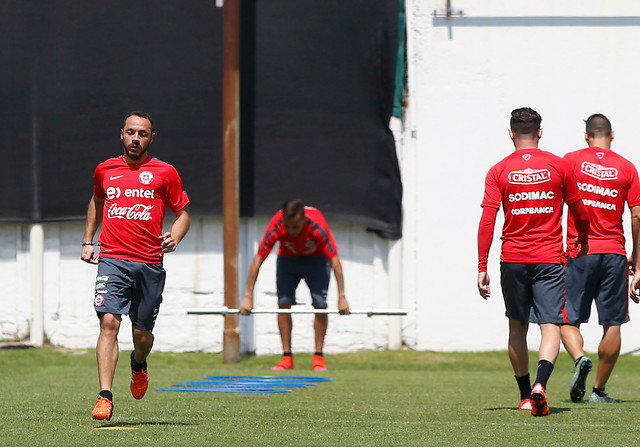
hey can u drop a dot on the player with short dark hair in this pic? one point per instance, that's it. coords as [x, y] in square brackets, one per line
[607, 181]
[531, 186]
[307, 251]
[130, 196]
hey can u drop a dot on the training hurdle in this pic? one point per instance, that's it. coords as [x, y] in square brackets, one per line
[224, 311]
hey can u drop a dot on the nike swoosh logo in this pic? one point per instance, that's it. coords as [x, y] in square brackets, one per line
[113, 177]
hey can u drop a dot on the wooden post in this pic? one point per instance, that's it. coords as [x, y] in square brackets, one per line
[230, 172]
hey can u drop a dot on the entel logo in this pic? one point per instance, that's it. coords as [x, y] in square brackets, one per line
[598, 171]
[529, 176]
[114, 192]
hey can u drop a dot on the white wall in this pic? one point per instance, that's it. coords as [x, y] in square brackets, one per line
[194, 279]
[566, 60]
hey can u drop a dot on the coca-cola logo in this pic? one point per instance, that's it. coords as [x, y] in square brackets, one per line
[134, 212]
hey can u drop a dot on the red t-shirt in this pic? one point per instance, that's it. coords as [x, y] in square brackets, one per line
[135, 200]
[315, 239]
[531, 185]
[606, 180]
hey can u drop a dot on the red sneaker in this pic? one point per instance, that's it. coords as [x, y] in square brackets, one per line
[318, 363]
[139, 383]
[285, 363]
[525, 404]
[103, 409]
[539, 400]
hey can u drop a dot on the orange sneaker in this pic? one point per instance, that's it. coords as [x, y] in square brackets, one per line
[525, 404]
[139, 383]
[539, 400]
[285, 363]
[103, 409]
[318, 363]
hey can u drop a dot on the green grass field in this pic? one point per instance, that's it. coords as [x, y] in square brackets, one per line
[375, 399]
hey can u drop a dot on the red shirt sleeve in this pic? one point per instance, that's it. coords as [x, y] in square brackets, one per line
[492, 195]
[271, 235]
[177, 197]
[485, 236]
[571, 193]
[98, 176]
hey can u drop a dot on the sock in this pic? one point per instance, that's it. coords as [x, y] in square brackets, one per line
[599, 391]
[287, 354]
[318, 353]
[108, 394]
[524, 384]
[135, 366]
[577, 362]
[545, 368]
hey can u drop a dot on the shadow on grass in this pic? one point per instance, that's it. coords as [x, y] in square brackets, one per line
[597, 404]
[552, 410]
[16, 345]
[143, 423]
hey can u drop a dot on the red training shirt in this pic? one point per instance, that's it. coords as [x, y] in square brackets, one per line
[531, 185]
[135, 200]
[606, 180]
[315, 239]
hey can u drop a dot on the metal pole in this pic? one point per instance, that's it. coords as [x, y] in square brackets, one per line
[230, 183]
[225, 311]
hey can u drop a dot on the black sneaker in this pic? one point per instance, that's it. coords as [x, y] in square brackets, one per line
[578, 383]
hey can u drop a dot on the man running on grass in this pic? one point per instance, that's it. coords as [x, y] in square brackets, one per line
[130, 196]
[530, 185]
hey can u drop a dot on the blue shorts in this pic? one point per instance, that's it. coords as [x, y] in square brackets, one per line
[128, 287]
[533, 292]
[315, 270]
[599, 277]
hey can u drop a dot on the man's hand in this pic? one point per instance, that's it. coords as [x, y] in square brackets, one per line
[483, 285]
[584, 249]
[168, 243]
[88, 254]
[343, 305]
[634, 292]
[246, 305]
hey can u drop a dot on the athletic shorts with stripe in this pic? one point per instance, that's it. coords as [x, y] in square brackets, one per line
[599, 277]
[533, 292]
[316, 272]
[130, 288]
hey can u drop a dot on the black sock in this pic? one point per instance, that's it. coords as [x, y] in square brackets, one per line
[545, 368]
[318, 353]
[599, 391]
[577, 362]
[135, 366]
[287, 354]
[108, 394]
[524, 384]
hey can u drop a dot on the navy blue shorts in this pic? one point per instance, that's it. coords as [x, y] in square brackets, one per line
[315, 270]
[533, 292]
[600, 277]
[128, 287]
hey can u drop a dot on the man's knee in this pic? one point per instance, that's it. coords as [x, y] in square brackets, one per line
[110, 322]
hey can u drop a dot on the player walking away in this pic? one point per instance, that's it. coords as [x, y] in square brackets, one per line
[130, 196]
[530, 185]
[607, 181]
[307, 251]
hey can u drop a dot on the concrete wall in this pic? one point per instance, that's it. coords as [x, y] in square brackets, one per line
[194, 279]
[565, 59]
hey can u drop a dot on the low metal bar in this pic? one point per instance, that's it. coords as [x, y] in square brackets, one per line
[224, 311]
